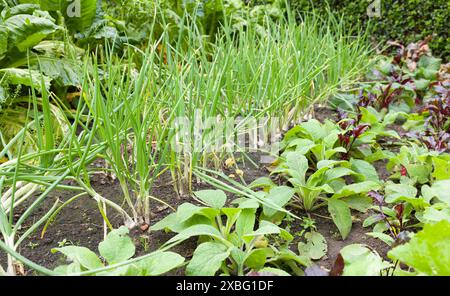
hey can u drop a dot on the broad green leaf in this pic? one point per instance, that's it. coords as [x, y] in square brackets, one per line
[71, 268]
[25, 31]
[167, 222]
[301, 145]
[238, 255]
[358, 202]
[382, 236]
[315, 246]
[280, 196]
[429, 63]
[63, 71]
[361, 261]
[441, 169]
[369, 116]
[245, 222]
[441, 190]
[330, 152]
[372, 220]
[160, 263]
[207, 259]
[117, 246]
[313, 129]
[256, 259]
[341, 215]
[186, 211]
[79, 14]
[210, 213]
[298, 165]
[232, 215]
[357, 188]
[336, 173]
[428, 251]
[31, 78]
[365, 169]
[396, 191]
[213, 198]
[264, 182]
[420, 171]
[80, 255]
[265, 227]
[435, 214]
[422, 84]
[246, 203]
[195, 230]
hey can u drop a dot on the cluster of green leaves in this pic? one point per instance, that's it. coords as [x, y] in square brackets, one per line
[171, 16]
[117, 251]
[427, 252]
[398, 82]
[317, 176]
[419, 164]
[406, 21]
[423, 253]
[231, 240]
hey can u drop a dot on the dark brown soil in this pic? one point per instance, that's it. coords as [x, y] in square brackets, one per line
[357, 236]
[324, 113]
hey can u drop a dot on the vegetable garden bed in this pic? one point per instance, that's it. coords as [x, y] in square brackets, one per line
[218, 139]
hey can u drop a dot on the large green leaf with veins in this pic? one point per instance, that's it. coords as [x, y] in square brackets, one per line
[428, 252]
[26, 31]
[207, 259]
[361, 261]
[26, 77]
[117, 246]
[79, 14]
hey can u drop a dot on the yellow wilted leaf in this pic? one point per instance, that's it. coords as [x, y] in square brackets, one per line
[261, 242]
[229, 162]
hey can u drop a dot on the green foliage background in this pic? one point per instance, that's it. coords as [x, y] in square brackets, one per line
[406, 20]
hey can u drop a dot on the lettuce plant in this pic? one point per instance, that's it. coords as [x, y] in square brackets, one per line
[427, 253]
[419, 164]
[324, 186]
[313, 139]
[231, 241]
[116, 250]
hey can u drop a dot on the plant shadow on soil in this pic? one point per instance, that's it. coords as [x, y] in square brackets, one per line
[81, 224]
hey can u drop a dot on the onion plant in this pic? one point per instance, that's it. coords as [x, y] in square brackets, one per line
[275, 71]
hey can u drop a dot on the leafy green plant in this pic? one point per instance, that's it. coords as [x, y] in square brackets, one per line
[402, 206]
[360, 260]
[28, 56]
[324, 186]
[230, 239]
[419, 164]
[116, 250]
[314, 140]
[314, 246]
[427, 252]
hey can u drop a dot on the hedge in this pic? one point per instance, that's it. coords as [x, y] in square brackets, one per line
[405, 21]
